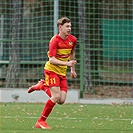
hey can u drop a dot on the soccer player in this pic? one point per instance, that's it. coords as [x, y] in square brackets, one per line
[61, 56]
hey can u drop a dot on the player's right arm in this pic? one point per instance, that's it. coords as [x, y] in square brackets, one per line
[55, 61]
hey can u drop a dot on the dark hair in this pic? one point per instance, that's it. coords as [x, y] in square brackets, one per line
[63, 20]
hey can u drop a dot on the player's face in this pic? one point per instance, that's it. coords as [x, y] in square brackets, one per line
[66, 28]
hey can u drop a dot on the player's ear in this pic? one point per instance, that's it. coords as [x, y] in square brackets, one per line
[59, 27]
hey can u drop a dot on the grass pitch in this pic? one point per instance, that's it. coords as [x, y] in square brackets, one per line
[67, 118]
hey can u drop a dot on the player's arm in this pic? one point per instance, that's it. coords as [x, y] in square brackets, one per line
[55, 61]
[73, 73]
[72, 56]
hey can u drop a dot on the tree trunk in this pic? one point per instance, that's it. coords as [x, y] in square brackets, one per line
[95, 41]
[12, 78]
[83, 36]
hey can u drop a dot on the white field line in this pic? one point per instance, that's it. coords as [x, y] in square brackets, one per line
[68, 118]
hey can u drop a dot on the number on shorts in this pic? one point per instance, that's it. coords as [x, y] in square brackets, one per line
[52, 80]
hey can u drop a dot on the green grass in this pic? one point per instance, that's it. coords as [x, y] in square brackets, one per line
[67, 118]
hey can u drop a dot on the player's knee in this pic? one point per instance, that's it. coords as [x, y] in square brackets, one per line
[56, 98]
[61, 102]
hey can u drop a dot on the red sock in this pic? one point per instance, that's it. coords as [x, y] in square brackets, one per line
[47, 110]
[47, 90]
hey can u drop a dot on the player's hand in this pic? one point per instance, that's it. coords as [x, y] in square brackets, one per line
[71, 63]
[73, 74]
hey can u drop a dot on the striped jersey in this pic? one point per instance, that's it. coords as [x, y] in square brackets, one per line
[61, 50]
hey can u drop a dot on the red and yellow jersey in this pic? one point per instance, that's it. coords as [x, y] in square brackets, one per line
[60, 49]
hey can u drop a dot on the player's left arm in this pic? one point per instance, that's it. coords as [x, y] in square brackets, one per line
[73, 73]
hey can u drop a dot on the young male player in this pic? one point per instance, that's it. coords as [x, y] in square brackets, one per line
[61, 56]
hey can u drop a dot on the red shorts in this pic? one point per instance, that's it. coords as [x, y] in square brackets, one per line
[53, 79]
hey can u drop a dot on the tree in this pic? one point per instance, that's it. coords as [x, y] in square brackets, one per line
[12, 78]
[83, 36]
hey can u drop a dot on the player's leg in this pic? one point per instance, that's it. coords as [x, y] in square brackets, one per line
[63, 89]
[58, 96]
[41, 85]
[62, 99]
[53, 81]
[41, 123]
[37, 87]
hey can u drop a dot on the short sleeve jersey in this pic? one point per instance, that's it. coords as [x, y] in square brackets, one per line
[61, 50]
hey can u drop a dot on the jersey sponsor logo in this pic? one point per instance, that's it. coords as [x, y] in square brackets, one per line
[70, 43]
